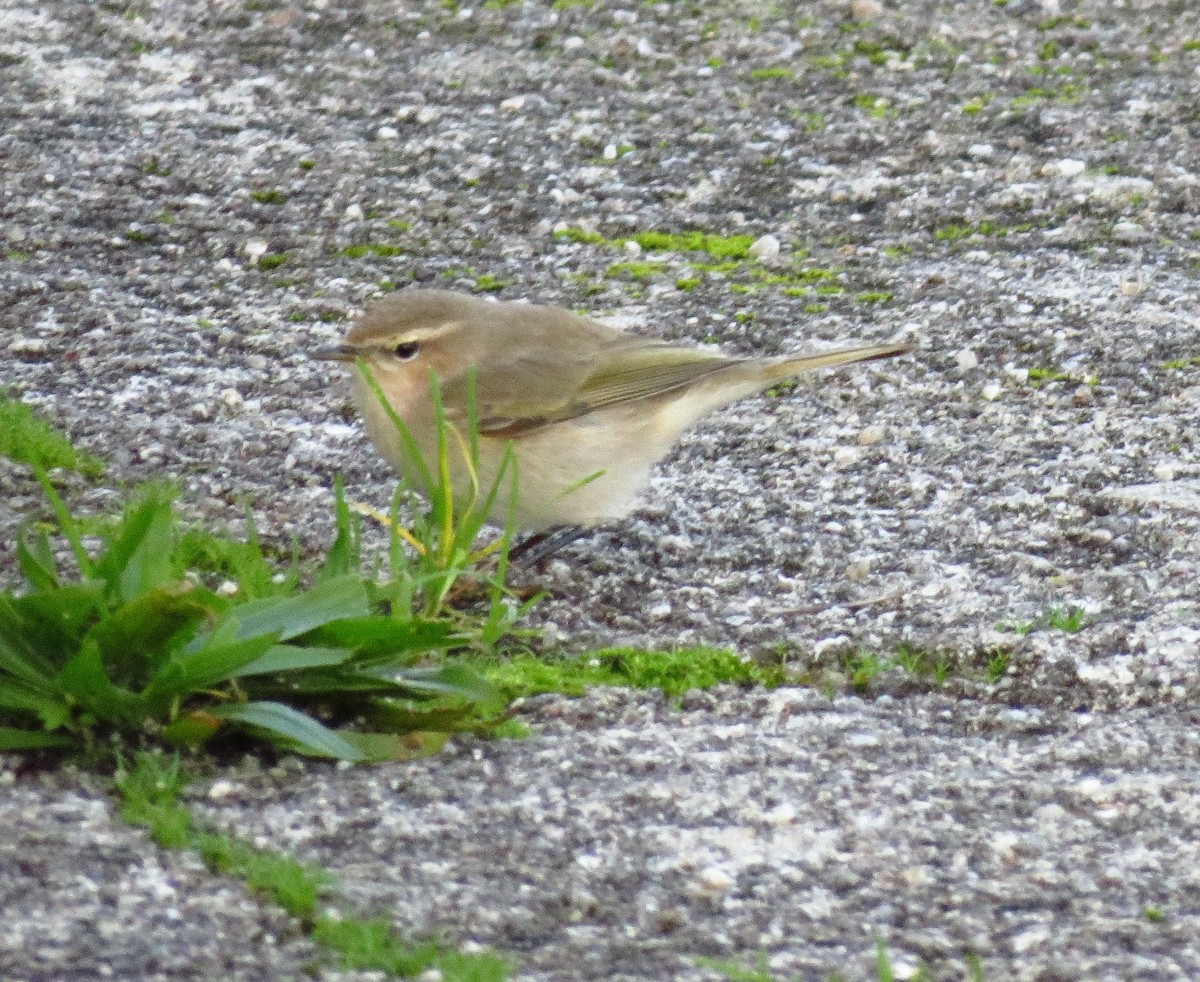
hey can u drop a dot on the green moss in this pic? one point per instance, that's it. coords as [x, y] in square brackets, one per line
[634, 269]
[270, 196]
[687, 283]
[381, 250]
[672, 672]
[272, 260]
[486, 283]
[27, 439]
[579, 235]
[778, 71]
[717, 246]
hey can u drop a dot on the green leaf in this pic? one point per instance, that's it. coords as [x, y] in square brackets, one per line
[17, 656]
[290, 657]
[136, 638]
[396, 746]
[454, 680]
[13, 739]
[296, 729]
[378, 638]
[289, 617]
[37, 562]
[41, 699]
[84, 679]
[53, 624]
[206, 666]
[140, 557]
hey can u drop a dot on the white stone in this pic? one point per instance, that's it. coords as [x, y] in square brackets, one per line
[992, 391]
[966, 359]
[869, 435]
[764, 248]
[1128, 232]
[28, 346]
[255, 249]
[1070, 167]
[714, 880]
[387, 133]
[513, 104]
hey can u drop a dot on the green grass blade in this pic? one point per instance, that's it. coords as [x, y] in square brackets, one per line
[345, 555]
[66, 523]
[36, 560]
[139, 558]
[304, 732]
[410, 447]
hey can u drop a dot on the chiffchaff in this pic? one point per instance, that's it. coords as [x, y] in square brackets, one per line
[588, 409]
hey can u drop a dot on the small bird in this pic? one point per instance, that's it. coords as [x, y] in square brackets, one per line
[588, 409]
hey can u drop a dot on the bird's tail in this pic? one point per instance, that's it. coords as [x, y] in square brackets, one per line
[786, 367]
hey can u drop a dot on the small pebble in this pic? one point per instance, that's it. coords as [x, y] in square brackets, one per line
[764, 248]
[1128, 232]
[966, 359]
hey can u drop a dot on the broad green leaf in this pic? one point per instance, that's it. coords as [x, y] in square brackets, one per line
[396, 746]
[53, 623]
[289, 617]
[135, 638]
[194, 671]
[302, 732]
[84, 679]
[139, 558]
[379, 638]
[38, 698]
[453, 680]
[17, 656]
[13, 739]
[37, 561]
[290, 657]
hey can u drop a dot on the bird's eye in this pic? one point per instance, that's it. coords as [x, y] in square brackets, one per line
[406, 350]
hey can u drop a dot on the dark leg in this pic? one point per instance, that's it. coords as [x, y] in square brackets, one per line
[543, 545]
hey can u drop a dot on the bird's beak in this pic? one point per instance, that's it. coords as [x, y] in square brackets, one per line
[337, 352]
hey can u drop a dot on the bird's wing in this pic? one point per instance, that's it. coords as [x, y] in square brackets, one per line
[622, 374]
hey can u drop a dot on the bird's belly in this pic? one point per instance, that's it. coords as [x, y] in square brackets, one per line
[582, 471]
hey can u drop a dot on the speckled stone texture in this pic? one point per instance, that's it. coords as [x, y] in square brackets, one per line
[1013, 187]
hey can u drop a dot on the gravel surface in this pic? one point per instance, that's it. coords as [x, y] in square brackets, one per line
[195, 195]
